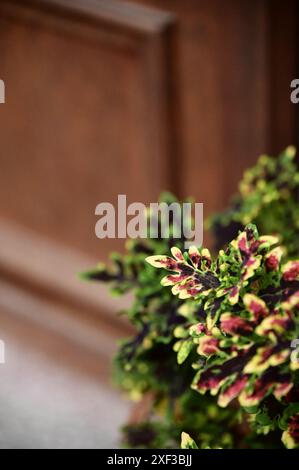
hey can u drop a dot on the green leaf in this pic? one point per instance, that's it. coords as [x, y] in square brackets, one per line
[187, 442]
[184, 351]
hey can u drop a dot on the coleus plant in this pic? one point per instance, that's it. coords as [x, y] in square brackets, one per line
[146, 363]
[242, 312]
[268, 197]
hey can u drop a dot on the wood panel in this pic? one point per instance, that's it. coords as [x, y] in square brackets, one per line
[41, 292]
[87, 113]
[88, 116]
[283, 68]
[236, 60]
[49, 270]
[105, 97]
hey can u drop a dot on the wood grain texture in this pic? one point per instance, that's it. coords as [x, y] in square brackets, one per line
[236, 60]
[108, 97]
[49, 270]
[115, 14]
[283, 43]
[87, 113]
[45, 302]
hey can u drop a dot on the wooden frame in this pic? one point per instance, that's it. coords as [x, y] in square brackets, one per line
[150, 35]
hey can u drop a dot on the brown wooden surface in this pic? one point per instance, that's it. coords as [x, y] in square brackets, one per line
[110, 97]
[51, 271]
[39, 286]
[86, 116]
[105, 97]
[236, 61]
[283, 63]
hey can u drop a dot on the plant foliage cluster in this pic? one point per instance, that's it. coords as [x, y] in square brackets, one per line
[213, 342]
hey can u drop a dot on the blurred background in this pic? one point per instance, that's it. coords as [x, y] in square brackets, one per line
[108, 97]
